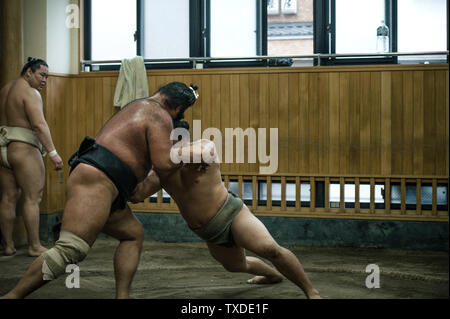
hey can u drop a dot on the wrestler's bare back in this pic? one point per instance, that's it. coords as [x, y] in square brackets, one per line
[128, 133]
[3, 97]
[14, 97]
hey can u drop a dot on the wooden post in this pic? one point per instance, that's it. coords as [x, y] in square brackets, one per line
[11, 40]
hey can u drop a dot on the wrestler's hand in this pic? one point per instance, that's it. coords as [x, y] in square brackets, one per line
[57, 161]
[138, 195]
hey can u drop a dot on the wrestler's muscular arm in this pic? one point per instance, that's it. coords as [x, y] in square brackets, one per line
[146, 188]
[159, 144]
[35, 114]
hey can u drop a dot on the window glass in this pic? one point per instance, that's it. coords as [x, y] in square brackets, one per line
[290, 27]
[422, 27]
[247, 191]
[166, 29]
[305, 192]
[356, 25]
[335, 195]
[233, 28]
[113, 29]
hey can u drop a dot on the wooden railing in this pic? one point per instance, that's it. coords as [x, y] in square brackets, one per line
[310, 196]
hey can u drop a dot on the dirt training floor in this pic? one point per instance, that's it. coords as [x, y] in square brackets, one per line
[187, 271]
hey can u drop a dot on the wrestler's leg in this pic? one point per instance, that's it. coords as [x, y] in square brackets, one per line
[89, 197]
[10, 193]
[28, 167]
[125, 227]
[234, 259]
[250, 233]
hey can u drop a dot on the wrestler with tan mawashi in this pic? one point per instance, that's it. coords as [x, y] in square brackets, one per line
[24, 139]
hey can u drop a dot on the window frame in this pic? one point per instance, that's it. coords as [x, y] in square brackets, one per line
[325, 37]
[199, 37]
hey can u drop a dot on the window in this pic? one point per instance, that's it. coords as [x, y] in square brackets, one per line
[291, 194]
[179, 29]
[233, 28]
[290, 28]
[112, 37]
[305, 195]
[335, 195]
[247, 190]
[360, 39]
[165, 29]
[422, 26]
[155, 29]
[349, 195]
[351, 26]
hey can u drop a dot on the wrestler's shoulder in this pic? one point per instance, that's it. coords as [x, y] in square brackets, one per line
[157, 114]
[5, 89]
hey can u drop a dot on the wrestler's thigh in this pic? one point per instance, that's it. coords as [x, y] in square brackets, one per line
[227, 256]
[123, 225]
[7, 181]
[249, 232]
[28, 167]
[89, 197]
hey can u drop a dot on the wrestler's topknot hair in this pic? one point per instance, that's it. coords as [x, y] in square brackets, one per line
[178, 93]
[34, 64]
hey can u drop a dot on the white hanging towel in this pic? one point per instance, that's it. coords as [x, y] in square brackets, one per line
[132, 83]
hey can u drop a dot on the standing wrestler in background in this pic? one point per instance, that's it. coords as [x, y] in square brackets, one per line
[24, 138]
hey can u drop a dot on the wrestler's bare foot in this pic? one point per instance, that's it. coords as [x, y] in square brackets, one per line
[9, 251]
[314, 294]
[265, 280]
[36, 251]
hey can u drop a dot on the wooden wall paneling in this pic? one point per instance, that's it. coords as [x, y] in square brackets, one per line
[447, 117]
[263, 112]
[334, 120]
[90, 107]
[429, 124]
[214, 121]
[354, 123]
[303, 122]
[98, 105]
[151, 79]
[408, 124]
[283, 123]
[244, 117]
[344, 124]
[442, 147]
[313, 115]
[235, 100]
[324, 135]
[375, 123]
[365, 109]
[418, 122]
[397, 122]
[274, 105]
[293, 128]
[386, 123]
[224, 111]
[81, 109]
[254, 87]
